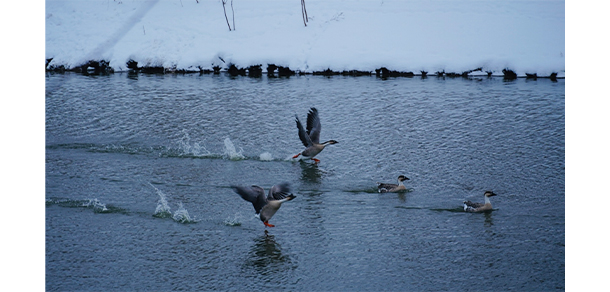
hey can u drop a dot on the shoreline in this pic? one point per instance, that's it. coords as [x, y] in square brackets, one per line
[102, 67]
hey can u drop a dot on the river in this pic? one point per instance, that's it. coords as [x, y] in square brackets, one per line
[139, 169]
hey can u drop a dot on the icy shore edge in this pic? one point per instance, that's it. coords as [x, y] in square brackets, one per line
[94, 67]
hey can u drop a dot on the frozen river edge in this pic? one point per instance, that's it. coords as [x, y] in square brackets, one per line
[102, 67]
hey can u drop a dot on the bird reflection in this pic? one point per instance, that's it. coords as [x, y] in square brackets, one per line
[488, 219]
[266, 255]
[402, 196]
[310, 172]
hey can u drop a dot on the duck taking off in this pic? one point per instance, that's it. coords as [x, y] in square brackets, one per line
[479, 207]
[265, 207]
[392, 188]
[311, 137]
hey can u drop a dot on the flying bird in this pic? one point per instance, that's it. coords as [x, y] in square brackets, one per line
[265, 206]
[311, 137]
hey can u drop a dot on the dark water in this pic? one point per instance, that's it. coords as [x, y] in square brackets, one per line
[138, 169]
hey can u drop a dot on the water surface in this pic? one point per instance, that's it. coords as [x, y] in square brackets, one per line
[138, 169]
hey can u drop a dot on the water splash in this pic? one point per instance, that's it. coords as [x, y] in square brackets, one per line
[188, 148]
[266, 156]
[163, 210]
[96, 205]
[233, 221]
[231, 152]
[182, 215]
[108, 148]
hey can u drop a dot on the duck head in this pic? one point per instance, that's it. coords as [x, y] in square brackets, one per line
[490, 194]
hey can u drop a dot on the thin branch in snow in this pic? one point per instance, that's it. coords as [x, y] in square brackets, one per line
[233, 12]
[305, 9]
[225, 10]
[304, 12]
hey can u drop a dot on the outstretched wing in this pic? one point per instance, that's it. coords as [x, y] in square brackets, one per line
[313, 125]
[253, 194]
[302, 134]
[279, 191]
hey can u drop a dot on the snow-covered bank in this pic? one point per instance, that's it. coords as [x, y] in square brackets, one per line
[527, 37]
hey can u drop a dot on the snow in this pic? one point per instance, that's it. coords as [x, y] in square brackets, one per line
[432, 36]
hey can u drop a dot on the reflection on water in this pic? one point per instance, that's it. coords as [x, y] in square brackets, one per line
[402, 196]
[310, 172]
[488, 219]
[266, 259]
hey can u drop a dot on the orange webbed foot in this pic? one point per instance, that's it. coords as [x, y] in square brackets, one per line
[296, 155]
[316, 160]
[268, 225]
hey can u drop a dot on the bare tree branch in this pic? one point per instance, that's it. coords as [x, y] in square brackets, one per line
[233, 12]
[225, 10]
[304, 12]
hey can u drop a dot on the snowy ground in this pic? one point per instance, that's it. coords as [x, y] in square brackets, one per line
[402, 35]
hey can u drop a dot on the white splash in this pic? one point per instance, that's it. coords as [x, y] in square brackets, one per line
[233, 221]
[163, 210]
[182, 215]
[231, 152]
[266, 156]
[192, 149]
[96, 205]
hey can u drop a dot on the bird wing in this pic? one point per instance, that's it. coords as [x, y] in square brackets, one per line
[473, 205]
[279, 191]
[385, 187]
[313, 125]
[253, 194]
[302, 134]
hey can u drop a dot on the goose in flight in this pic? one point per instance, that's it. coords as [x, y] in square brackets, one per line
[265, 206]
[479, 207]
[393, 188]
[311, 137]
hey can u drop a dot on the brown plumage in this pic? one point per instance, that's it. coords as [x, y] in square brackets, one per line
[265, 206]
[479, 207]
[311, 137]
[392, 188]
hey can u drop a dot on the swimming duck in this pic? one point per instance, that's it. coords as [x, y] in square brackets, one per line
[265, 207]
[479, 207]
[311, 137]
[392, 188]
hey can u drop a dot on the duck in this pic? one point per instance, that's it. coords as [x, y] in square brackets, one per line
[265, 206]
[392, 188]
[311, 137]
[479, 207]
